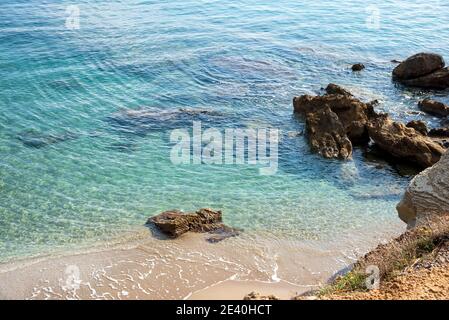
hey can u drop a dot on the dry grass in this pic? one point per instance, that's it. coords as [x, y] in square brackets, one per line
[393, 258]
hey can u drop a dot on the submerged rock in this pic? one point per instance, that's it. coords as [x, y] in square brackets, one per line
[404, 143]
[358, 67]
[142, 121]
[418, 65]
[427, 196]
[327, 135]
[175, 223]
[35, 139]
[419, 126]
[433, 107]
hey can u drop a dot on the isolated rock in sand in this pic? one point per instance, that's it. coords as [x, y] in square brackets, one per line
[327, 135]
[418, 65]
[433, 107]
[419, 126]
[404, 143]
[257, 296]
[175, 223]
[427, 195]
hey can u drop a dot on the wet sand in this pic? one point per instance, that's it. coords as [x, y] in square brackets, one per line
[149, 267]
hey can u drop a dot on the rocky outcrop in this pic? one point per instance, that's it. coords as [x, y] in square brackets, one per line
[174, 223]
[424, 70]
[335, 121]
[327, 135]
[433, 107]
[352, 113]
[427, 195]
[404, 143]
[419, 126]
[358, 67]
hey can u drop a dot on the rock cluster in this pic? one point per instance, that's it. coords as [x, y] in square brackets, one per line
[174, 223]
[423, 70]
[337, 120]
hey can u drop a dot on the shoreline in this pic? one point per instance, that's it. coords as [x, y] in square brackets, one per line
[144, 267]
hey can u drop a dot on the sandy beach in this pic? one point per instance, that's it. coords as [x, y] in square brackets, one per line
[147, 267]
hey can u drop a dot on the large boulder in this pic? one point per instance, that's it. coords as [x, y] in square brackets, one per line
[175, 223]
[427, 196]
[352, 113]
[327, 135]
[419, 65]
[433, 107]
[438, 80]
[404, 143]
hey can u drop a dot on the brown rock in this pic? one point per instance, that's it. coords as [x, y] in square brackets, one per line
[438, 80]
[333, 88]
[427, 195]
[358, 67]
[404, 143]
[327, 135]
[175, 223]
[434, 107]
[352, 113]
[419, 126]
[418, 65]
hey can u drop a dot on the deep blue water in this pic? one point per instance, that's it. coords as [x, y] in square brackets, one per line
[244, 59]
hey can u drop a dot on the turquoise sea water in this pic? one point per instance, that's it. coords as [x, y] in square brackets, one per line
[245, 59]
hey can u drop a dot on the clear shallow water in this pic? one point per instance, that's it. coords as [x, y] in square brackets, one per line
[244, 59]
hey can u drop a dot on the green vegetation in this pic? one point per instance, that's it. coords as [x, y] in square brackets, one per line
[353, 281]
